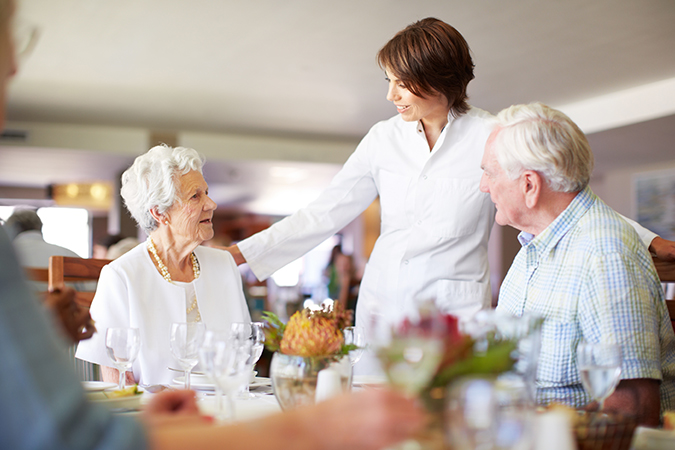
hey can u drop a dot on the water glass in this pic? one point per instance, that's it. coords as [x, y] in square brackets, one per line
[599, 368]
[122, 346]
[186, 340]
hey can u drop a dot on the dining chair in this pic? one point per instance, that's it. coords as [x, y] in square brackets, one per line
[666, 272]
[84, 272]
[65, 269]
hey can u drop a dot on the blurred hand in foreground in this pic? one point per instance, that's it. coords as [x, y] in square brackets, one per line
[75, 319]
[173, 406]
[372, 419]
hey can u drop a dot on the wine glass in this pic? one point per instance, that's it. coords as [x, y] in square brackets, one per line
[355, 336]
[225, 360]
[599, 368]
[253, 331]
[409, 351]
[186, 339]
[122, 345]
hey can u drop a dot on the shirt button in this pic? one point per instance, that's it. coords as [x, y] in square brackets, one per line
[425, 177]
[419, 222]
[405, 262]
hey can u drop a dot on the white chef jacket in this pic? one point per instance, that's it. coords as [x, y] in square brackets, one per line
[132, 293]
[435, 221]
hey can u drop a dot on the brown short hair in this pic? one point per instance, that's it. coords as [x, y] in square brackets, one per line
[429, 57]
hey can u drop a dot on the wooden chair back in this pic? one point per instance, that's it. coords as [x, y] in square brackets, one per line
[40, 274]
[666, 271]
[63, 269]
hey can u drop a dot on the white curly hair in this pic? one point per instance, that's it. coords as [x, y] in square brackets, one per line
[151, 181]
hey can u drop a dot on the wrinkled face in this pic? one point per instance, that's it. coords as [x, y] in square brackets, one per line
[190, 215]
[504, 192]
[413, 108]
[7, 60]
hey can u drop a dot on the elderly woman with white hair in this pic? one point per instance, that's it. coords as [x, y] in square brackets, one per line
[169, 278]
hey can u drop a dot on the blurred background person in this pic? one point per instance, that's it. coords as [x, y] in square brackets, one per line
[24, 226]
[120, 248]
[101, 246]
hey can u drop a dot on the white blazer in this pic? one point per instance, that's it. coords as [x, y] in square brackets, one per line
[132, 293]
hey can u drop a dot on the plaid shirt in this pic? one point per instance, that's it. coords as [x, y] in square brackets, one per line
[591, 278]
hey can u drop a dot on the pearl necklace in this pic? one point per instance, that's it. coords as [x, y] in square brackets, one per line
[167, 276]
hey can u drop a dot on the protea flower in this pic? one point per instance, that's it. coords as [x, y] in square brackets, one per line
[312, 333]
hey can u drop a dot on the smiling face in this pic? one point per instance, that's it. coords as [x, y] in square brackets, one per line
[413, 108]
[190, 215]
[505, 193]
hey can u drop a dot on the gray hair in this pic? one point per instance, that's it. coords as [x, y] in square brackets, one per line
[23, 220]
[540, 138]
[151, 181]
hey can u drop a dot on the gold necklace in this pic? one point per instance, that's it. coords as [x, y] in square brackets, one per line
[167, 276]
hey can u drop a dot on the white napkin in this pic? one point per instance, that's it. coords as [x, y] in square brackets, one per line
[328, 384]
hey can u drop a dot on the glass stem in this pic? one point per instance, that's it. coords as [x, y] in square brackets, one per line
[230, 405]
[187, 379]
[219, 404]
[122, 378]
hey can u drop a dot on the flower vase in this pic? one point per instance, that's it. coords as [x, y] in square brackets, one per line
[294, 378]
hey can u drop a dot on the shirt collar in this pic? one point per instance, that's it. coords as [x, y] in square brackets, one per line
[420, 127]
[549, 238]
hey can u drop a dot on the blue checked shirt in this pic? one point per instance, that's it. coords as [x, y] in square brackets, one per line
[591, 278]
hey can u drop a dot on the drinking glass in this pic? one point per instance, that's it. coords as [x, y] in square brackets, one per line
[122, 345]
[409, 352]
[599, 368]
[486, 414]
[186, 339]
[254, 332]
[354, 335]
[225, 360]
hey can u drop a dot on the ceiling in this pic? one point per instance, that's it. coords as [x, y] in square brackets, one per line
[306, 68]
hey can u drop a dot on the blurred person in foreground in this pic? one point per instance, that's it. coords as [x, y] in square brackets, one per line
[43, 406]
[581, 266]
[171, 277]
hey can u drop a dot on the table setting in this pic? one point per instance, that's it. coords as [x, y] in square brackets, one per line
[476, 378]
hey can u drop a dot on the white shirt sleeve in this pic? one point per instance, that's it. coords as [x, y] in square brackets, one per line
[352, 190]
[646, 235]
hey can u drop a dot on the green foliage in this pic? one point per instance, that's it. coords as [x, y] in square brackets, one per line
[274, 331]
[497, 359]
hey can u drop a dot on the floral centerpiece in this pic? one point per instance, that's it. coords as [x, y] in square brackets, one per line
[311, 341]
[464, 355]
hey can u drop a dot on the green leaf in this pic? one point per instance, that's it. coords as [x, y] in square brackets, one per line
[274, 331]
[496, 360]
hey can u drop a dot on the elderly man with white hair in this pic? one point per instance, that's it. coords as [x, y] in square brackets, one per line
[581, 266]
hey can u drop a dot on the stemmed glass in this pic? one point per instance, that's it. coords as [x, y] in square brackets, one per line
[225, 360]
[186, 339]
[355, 336]
[410, 351]
[599, 368]
[254, 332]
[122, 345]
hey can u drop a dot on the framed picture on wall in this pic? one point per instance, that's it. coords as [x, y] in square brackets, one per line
[654, 201]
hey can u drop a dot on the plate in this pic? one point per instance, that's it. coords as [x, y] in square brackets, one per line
[260, 382]
[96, 386]
[202, 383]
[118, 403]
[194, 372]
[197, 382]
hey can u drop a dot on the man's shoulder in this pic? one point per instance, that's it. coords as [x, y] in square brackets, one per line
[605, 231]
